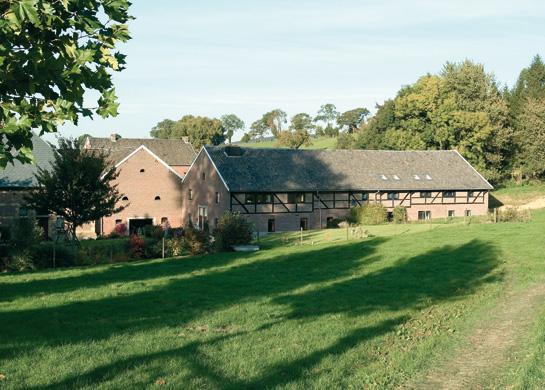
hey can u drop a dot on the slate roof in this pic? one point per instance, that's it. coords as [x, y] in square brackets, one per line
[19, 175]
[171, 151]
[326, 170]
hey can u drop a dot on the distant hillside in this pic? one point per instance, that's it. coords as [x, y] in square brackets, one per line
[317, 143]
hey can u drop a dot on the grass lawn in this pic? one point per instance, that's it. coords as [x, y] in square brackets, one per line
[331, 313]
[516, 195]
[317, 143]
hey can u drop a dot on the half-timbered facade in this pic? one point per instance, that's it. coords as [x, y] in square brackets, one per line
[283, 190]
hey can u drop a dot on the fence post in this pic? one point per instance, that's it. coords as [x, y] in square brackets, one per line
[301, 235]
[163, 252]
[495, 215]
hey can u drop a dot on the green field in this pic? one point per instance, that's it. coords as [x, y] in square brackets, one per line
[410, 303]
[517, 194]
[317, 143]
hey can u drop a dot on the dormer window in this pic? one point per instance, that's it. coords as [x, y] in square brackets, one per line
[142, 170]
[125, 198]
[157, 197]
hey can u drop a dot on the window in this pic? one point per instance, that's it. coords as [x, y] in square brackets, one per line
[448, 194]
[142, 170]
[249, 199]
[203, 218]
[190, 194]
[303, 224]
[217, 197]
[216, 222]
[365, 196]
[164, 220]
[271, 225]
[425, 194]
[157, 197]
[189, 218]
[125, 198]
[451, 214]
[424, 215]
[203, 176]
[468, 213]
[263, 198]
[329, 222]
[296, 197]
[471, 194]
[393, 195]
[118, 221]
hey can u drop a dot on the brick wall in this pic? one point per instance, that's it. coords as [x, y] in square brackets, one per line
[204, 192]
[142, 178]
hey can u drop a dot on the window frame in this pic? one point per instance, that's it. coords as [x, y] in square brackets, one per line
[392, 195]
[425, 194]
[446, 194]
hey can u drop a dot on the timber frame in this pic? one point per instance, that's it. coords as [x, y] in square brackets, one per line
[339, 200]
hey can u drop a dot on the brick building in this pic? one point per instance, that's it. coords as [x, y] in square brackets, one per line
[283, 190]
[150, 177]
[16, 180]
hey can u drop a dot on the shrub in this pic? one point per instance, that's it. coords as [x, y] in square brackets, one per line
[343, 224]
[120, 229]
[136, 246]
[65, 255]
[154, 231]
[173, 247]
[232, 229]
[21, 261]
[359, 232]
[369, 214]
[513, 214]
[400, 214]
[196, 241]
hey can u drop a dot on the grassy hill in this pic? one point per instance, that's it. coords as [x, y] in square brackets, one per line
[381, 312]
[317, 143]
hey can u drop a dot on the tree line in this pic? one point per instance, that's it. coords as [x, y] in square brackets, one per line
[500, 130]
[298, 132]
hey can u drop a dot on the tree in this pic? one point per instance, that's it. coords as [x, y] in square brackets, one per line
[245, 138]
[327, 114]
[461, 108]
[272, 121]
[231, 123]
[200, 130]
[352, 119]
[531, 138]
[164, 129]
[51, 53]
[78, 186]
[530, 84]
[298, 133]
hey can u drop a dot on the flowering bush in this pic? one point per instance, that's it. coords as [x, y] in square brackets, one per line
[136, 246]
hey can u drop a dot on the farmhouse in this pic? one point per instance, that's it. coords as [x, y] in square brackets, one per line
[150, 177]
[16, 180]
[283, 190]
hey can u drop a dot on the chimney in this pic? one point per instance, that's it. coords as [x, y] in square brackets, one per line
[185, 138]
[114, 137]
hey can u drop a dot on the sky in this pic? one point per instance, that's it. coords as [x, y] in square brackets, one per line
[247, 57]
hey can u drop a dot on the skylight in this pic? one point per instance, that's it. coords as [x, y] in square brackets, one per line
[416, 177]
[396, 177]
[383, 177]
[428, 177]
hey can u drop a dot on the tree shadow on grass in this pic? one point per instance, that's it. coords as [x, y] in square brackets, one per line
[443, 274]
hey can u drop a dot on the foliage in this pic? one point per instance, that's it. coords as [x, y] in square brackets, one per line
[136, 246]
[400, 214]
[51, 53]
[196, 241]
[461, 108]
[121, 229]
[369, 214]
[200, 130]
[513, 214]
[359, 232]
[349, 121]
[174, 246]
[231, 124]
[327, 115]
[154, 231]
[298, 133]
[271, 122]
[232, 229]
[246, 138]
[530, 137]
[77, 187]
[530, 85]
